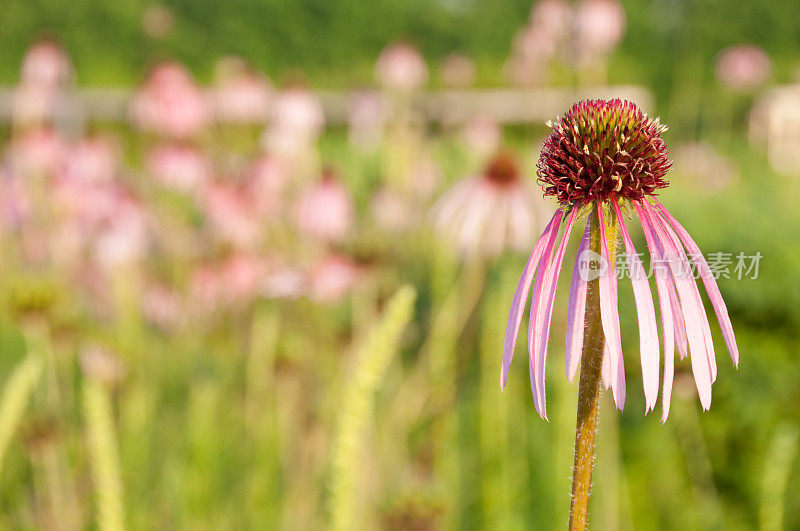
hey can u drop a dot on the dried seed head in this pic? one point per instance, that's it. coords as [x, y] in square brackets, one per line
[603, 148]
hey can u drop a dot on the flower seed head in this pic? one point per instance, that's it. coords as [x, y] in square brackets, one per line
[603, 148]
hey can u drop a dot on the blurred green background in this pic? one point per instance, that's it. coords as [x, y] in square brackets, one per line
[232, 422]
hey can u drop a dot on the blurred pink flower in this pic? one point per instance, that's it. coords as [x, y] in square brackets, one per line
[457, 71]
[46, 65]
[333, 278]
[102, 364]
[231, 215]
[15, 203]
[324, 210]
[599, 27]
[39, 151]
[179, 167]
[284, 283]
[170, 104]
[123, 237]
[297, 119]
[490, 213]
[242, 276]
[401, 67]
[391, 210]
[93, 159]
[743, 68]
[242, 95]
[552, 18]
[266, 180]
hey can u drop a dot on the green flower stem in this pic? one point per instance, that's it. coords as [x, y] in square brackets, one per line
[590, 380]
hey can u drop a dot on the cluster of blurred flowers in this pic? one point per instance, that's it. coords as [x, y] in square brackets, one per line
[219, 197]
[580, 35]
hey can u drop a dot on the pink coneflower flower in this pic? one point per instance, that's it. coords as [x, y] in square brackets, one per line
[325, 210]
[242, 95]
[552, 17]
[603, 158]
[46, 64]
[231, 216]
[39, 152]
[170, 104]
[401, 67]
[94, 159]
[743, 68]
[266, 180]
[489, 213]
[599, 27]
[179, 167]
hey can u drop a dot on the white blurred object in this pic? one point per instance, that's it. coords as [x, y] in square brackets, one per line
[775, 124]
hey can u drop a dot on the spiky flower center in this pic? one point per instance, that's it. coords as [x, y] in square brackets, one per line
[601, 149]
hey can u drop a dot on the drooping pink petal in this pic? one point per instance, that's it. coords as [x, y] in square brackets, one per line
[646, 314]
[710, 283]
[690, 308]
[663, 285]
[576, 310]
[542, 313]
[609, 315]
[685, 266]
[521, 296]
[605, 371]
[680, 327]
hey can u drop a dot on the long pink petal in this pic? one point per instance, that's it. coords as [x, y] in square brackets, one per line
[663, 283]
[521, 296]
[609, 316]
[704, 324]
[646, 314]
[692, 313]
[680, 327]
[576, 310]
[605, 370]
[542, 313]
[541, 289]
[710, 283]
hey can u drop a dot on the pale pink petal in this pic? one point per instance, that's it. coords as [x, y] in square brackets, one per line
[576, 310]
[605, 371]
[521, 296]
[542, 313]
[712, 361]
[663, 285]
[710, 283]
[646, 315]
[692, 312]
[609, 316]
[680, 327]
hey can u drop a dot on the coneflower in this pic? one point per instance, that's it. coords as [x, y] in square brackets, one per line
[603, 158]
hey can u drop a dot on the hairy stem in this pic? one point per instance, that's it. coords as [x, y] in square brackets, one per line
[589, 386]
